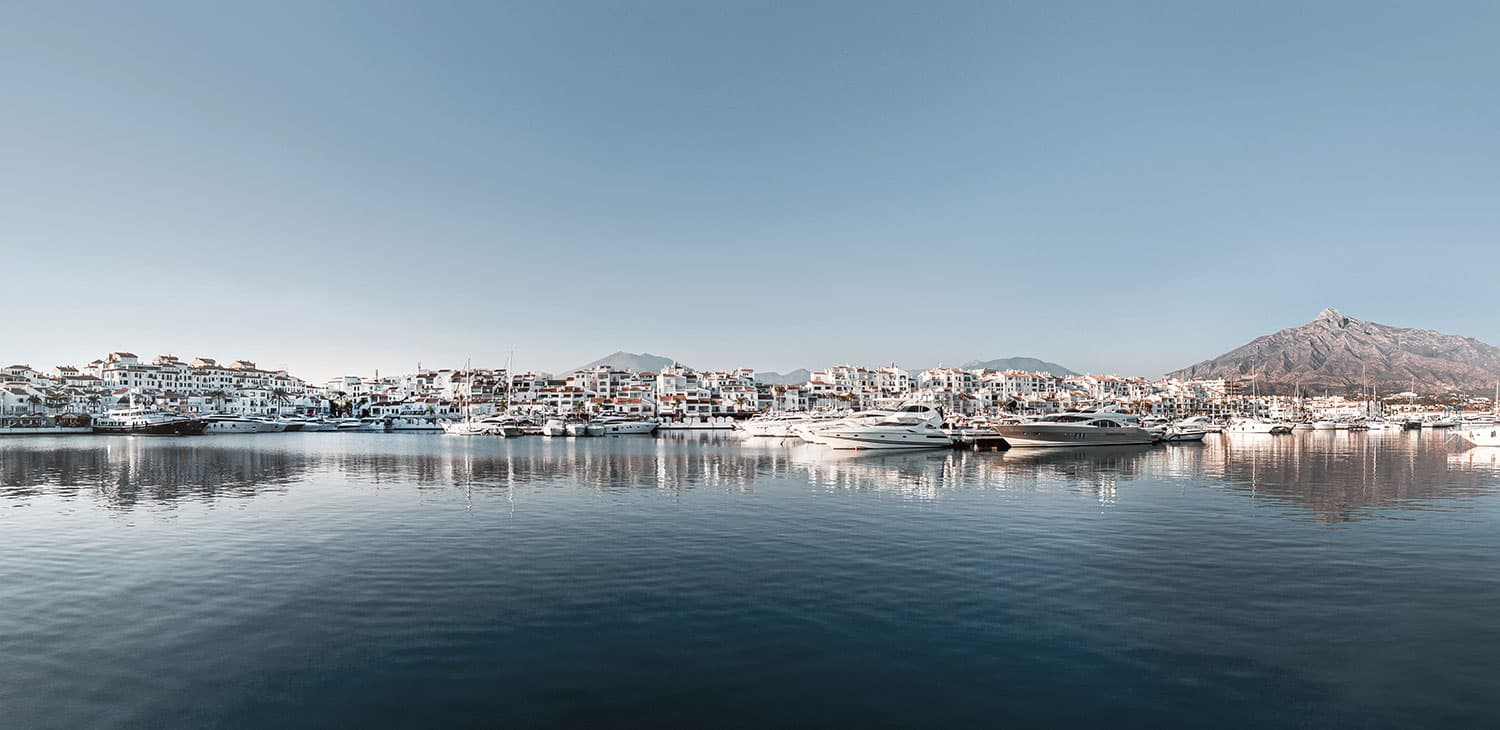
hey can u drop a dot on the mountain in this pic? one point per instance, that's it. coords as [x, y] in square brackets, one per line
[641, 363]
[1335, 352]
[795, 377]
[1028, 364]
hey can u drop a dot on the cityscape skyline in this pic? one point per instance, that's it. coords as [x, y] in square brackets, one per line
[1115, 189]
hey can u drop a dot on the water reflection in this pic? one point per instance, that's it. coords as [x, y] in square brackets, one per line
[1337, 476]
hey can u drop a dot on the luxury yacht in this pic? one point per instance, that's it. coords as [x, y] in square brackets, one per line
[1202, 422]
[778, 425]
[1256, 425]
[318, 425]
[913, 426]
[1481, 435]
[1099, 428]
[229, 423]
[810, 430]
[555, 427]
[580, 428]
[466, 427]
[620, 425]
[148, 422]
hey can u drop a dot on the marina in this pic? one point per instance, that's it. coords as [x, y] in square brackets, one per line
[1266, 568]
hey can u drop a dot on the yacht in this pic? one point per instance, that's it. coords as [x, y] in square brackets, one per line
[1256, 425]
[1202, 422]
[1324, 425]
[266, 424]
[312, 425]
[377, 424]
[779, 425]
[620, 425]
[1481, 435]
[913, 426]
[580, 428]
[229, 423]
[555, 427]
[415, 424]
[1181, 434]
[810, 430]
[349, 424]
[466, 427]
[1097, 428]
[145, 421]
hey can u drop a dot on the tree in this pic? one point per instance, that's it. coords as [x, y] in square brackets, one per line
[218, 397]
[32, 401]
[281, 397]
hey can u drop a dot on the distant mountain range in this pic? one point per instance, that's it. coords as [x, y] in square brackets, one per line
[1027, 364]
[795, 377]
[1339, 353]
[644, 362]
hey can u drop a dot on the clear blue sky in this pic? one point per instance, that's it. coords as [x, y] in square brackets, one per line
[1119, 187]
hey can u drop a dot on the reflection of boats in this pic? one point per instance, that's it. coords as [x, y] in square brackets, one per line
[38, 425]
[914, 426]
[147, 422]
[1099, 428]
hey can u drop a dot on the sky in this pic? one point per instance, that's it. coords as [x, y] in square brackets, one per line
[337, 188]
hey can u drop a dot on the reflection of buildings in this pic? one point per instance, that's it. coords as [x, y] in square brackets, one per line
[1334, 474]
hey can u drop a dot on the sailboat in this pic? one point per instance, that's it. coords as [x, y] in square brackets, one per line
[467, 426]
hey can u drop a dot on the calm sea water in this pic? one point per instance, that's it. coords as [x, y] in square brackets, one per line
[373, 580]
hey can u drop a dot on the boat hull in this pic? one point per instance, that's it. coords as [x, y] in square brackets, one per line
[185, 427]
[884, 438]
[1039, 435]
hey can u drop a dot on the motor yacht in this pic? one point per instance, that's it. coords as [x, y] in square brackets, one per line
[622, 425]
[466, 427]
[555, 427]
[810, 430]
[1202, 422]
[1181, 434]
[229, 423]
[143, 421]
[1097, 428]
[1481, 435]
[1256, 425]
[912, 426]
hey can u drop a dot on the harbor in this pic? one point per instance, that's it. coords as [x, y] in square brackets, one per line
[843, 407]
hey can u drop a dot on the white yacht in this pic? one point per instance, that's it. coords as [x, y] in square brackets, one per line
[810, 431]
[621, 425]
[912, 426]
[555, 427]
[229, 423]
[1324, 425]
[466, 427]
[1481, 435]
[415, 424]
[1097, 428]
[580, 428]
[1256, 425]
[1202, 422]
[378, 424]
[318, 425]
[1181, 434]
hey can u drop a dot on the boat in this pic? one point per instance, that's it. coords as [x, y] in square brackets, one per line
[39, 425]
[466, 427]
[912, 426]
[377, 424]
[579, 428]
[229, 423]
[698, 423]
[622, 425]
[1182, 434]
[415, 424]
[555, 427]
[1202, 422]
[266, 424]
[1324, 425]
[778, 425]
[349, 424]
[810, 430]
[1256, 425]
[290, 424]
[1481, 436]
[148, 422]
[317, 425]
[1097, 428]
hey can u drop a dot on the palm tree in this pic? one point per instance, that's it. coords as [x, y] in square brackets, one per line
[32, 401]
[95, 398]
[281, 397]
[218, 397]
